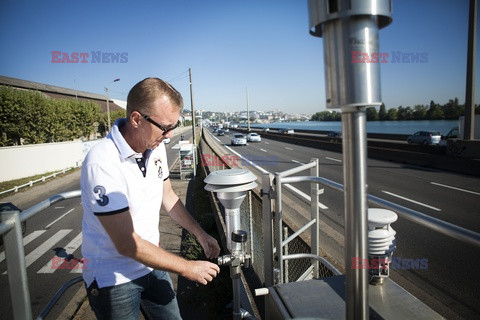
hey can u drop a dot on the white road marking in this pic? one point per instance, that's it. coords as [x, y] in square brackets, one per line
[248, 161]
[263, 150]
[49, 225]
[288, 148]
[297, 162]
[32, 236]
[44, 247]
[333, 159]
[413, 201]
[304, 195]
[455, 188]
[69, 249]
[267, 142]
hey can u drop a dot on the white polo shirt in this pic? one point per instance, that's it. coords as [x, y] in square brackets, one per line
[112, 182]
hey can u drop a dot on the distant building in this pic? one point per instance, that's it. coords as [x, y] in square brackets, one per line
[55, 92]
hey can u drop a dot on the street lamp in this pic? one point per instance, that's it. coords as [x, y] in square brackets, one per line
[108, 105]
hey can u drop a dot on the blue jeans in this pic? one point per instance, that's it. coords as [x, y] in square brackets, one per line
[154, 290]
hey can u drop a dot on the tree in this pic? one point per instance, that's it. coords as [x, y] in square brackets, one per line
[382, 113]
[372, 114]
[419, 112]
[392, 114]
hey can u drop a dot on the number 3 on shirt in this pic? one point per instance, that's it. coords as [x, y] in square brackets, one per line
[100, 191]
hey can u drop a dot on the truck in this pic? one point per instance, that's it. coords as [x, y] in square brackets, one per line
[461, 126]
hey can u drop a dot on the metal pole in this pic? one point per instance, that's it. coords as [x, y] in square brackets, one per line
[248, 112]
[470, 85]
[267, 229]
[17, 270]
[314, 215]
[193, 123]
[278, 226]
[108, 110]
[355, 196]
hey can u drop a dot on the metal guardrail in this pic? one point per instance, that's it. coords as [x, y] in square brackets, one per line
[32, 182]
[11, 229]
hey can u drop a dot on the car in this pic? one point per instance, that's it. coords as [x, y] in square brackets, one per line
[254, 137]
[425, 137]
[286, 131]
[452, 134]
[266, 130]
[166, 140]
[334, 135]
[220, 133]
[226, 130]
[239, 140]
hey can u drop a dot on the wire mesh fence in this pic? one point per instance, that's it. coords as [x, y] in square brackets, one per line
[251, 216]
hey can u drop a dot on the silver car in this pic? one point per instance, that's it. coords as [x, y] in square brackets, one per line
[425, 137]
[254, 137]
[239, 140]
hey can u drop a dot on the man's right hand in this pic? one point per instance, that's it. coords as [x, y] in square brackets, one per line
[200, 271]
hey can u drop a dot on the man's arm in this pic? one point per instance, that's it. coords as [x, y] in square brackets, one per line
[128, 243]
[177, 211]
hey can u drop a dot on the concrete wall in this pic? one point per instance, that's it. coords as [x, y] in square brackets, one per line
[24, 161]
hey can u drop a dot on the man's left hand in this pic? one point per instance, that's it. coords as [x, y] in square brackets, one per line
[210, 246]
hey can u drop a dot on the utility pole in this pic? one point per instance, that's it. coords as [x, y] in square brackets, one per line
[108, 105]
[248, 111]
[193, 125]
[468, 133]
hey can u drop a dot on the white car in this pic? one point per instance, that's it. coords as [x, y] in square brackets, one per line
[239, 140]
[254, 137]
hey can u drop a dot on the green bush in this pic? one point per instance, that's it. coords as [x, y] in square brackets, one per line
[28, 117]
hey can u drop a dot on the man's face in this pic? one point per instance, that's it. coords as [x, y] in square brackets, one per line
[163, 114]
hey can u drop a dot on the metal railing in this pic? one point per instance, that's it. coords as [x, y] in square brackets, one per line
[32, 182]
[11, 229]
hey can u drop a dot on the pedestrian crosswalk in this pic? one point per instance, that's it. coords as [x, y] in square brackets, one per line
[61, 259]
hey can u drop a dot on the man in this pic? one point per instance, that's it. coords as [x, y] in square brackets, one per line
[124, 183]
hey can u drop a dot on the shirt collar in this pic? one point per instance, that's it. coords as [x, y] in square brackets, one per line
[123, 147]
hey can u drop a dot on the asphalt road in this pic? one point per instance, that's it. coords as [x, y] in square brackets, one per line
[52, 243]
[449, 283]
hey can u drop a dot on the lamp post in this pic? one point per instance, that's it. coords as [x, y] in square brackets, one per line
[108, 105]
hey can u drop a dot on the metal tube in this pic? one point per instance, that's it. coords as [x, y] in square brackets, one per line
[296, 169]
[232, 218]
[355, 196]
[445, 228]
[57, 296]
[267, 229]
[30, 212]
[237, 312]
[314, 216]
[278, 224]
[17, 270]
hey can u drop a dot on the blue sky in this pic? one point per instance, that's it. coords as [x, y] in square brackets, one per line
[262, 45]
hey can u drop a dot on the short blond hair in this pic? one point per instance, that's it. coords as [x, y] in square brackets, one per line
[143, 94]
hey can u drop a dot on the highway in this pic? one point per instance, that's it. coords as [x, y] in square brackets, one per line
[52, 245]
[449, 283]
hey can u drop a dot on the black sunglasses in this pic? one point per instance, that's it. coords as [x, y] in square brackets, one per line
[156, 124]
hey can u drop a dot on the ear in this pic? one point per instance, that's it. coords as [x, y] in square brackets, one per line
[134, 119]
